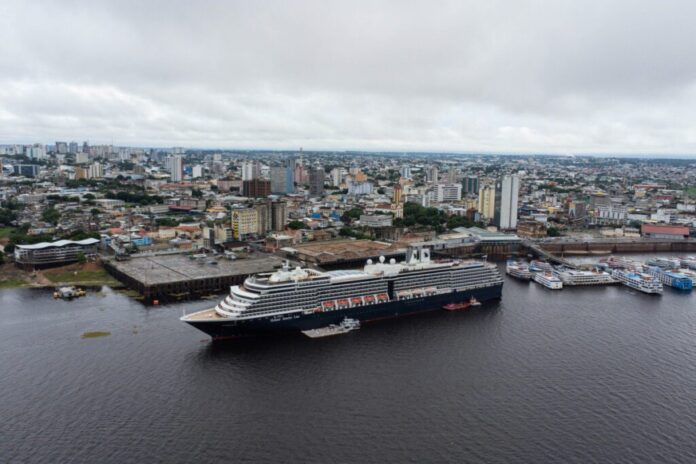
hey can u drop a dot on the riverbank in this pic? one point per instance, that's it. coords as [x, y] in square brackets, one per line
[85, 274]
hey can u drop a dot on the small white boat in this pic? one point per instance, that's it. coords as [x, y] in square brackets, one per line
[68, 293]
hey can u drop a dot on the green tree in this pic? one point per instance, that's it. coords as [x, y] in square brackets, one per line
[296, 225]
[351, 215]
[553, 232]
[51, 215]
[7, 216]
[458, 221]
[81, 258]
[167, 222]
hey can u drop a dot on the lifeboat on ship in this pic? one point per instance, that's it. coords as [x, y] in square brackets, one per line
[356, 300]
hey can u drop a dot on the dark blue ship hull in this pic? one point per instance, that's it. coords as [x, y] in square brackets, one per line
[224, 329]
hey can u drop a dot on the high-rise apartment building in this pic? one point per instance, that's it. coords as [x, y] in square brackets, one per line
[448, 192]
[196, 171]
[397, 195]
[244, 222]
[316, 181]
[486, 201]
[452, 175]
[250, 170]
[507, 192]
[471, 184]
[256, 188]
[432, 175]
[96, 171]
[176, 168]
[282, 179]
[61, 147]
[336, 177]
[278, 216]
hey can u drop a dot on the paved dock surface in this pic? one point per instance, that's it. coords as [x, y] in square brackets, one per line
[156, 270]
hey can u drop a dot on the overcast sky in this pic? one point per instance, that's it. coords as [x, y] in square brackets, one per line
[518, 76]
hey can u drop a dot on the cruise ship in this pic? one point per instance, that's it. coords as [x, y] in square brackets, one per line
[294, 300]
[548, 280]
[518, 270]
[638, 281]
[673, 279]
[572, 277]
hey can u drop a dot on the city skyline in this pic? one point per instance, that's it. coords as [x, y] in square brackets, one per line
[464, 77]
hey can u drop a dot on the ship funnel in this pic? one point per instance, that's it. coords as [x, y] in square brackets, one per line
[417, 253]
[425, 255]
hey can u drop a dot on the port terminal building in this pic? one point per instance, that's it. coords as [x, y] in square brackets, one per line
[61, 252]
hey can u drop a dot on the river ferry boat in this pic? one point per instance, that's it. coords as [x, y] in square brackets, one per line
[638, 281]
[664, 263]
[540, 266]
[688, 262]
[619, 262]
[548, 280]
[676, 280]
[572, 277]
[518, 270]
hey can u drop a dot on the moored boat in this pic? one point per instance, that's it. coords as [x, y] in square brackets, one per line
[299, 299]
[673, 279]
[548, 280]
[638, 281]
[518, 270]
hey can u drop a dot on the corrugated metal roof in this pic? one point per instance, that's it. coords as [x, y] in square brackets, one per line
[59, 243]
[660, 229]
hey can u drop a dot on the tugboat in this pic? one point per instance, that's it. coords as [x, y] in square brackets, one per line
[68, 293]
[464, 305]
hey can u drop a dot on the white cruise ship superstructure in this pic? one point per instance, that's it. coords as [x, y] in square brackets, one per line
[548, 280]
[572, 277]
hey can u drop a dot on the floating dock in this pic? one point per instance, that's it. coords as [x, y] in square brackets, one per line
[348, 325]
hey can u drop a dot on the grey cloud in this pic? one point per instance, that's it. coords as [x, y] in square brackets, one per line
[458, 76]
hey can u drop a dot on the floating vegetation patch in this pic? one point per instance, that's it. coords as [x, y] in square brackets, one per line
[95, 334]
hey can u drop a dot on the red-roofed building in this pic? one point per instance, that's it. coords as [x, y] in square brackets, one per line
[649, 186]
[664, 231]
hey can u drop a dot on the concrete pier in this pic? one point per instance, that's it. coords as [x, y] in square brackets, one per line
[179, 277]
